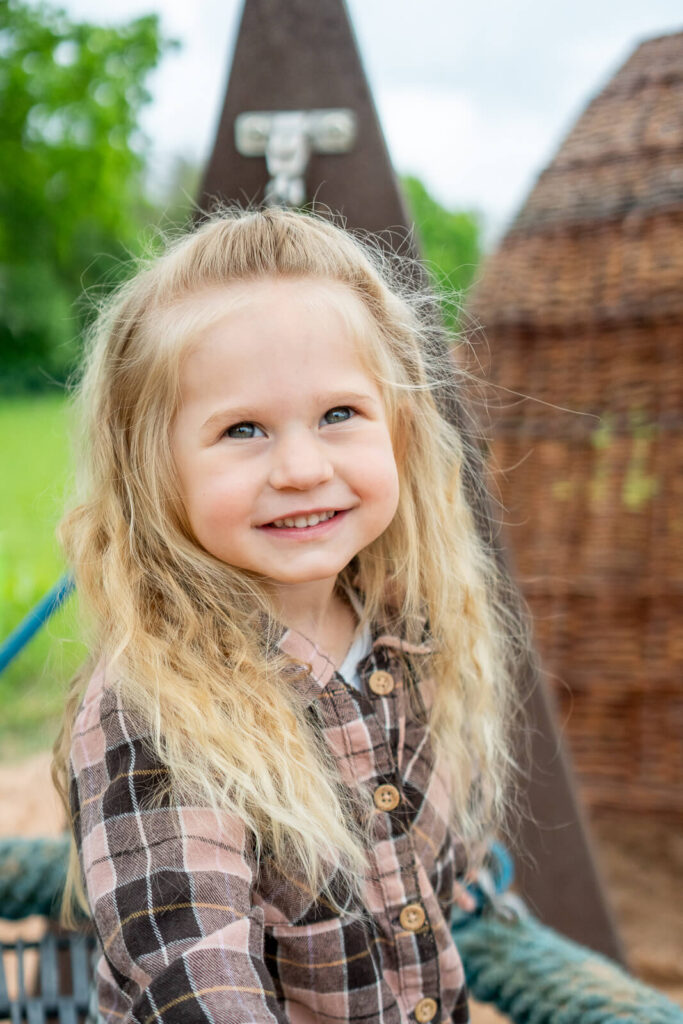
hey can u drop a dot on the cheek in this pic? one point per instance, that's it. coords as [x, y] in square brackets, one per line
[226, 501]
[219, 500]
[378, 472]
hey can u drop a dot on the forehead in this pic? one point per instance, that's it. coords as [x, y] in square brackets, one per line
[271, 328]
[264, 297]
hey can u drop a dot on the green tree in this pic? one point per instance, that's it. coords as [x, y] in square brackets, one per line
[450, 241]
[71, 175]
[176, 200]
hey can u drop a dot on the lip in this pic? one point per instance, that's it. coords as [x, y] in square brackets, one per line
[306, 532]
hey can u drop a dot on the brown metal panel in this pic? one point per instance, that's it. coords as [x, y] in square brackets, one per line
[555, 869]
[302, 54]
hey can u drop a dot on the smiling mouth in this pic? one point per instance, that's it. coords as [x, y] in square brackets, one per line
[302, 522]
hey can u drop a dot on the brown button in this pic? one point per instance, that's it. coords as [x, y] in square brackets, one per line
[381, 683]
[387, 797]
[426, 1010]
[412, 917]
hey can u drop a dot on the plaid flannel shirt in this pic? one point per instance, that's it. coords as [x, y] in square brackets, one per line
[187, 930]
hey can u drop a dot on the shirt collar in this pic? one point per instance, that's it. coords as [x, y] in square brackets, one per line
[322, 670]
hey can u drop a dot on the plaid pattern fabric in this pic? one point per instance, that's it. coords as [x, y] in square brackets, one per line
[188, 933]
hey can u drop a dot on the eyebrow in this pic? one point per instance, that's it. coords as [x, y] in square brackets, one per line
[243, 412]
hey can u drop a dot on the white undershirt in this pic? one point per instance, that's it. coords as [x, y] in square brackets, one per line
[361, 645]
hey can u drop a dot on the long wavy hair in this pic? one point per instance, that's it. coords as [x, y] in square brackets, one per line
[182, 633]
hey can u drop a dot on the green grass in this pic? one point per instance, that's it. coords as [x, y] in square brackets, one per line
[35, 475]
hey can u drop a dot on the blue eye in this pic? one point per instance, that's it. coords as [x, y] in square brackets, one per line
[346, 410]
[237, 431]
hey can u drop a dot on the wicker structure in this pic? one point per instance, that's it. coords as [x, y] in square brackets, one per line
[582, 307]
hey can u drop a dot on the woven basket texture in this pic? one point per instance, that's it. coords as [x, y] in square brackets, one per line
[581, 306]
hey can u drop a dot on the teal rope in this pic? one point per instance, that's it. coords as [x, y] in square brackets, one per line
[536, 976]
[32, 876]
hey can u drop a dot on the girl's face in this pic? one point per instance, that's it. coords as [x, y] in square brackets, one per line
[280, 424]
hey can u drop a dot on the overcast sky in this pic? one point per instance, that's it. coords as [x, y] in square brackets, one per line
[473, 97]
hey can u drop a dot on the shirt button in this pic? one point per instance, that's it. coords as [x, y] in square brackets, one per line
[387, 797]
[426, 1010]
[381, 683]
[412, 917]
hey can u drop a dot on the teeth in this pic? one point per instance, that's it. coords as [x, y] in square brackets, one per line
[302, 521]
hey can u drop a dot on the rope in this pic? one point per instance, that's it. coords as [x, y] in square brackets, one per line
[32, 876]
[32, 622]
[536, 976]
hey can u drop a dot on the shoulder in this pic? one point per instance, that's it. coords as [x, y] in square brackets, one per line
[120, 783]
[113, 766]
[102, 723]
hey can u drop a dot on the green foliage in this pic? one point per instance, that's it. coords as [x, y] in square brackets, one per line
[71, 171]
[450, 243]
[35, 471]
[177, 202]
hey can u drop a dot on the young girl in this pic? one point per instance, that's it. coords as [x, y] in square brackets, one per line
[294, 729]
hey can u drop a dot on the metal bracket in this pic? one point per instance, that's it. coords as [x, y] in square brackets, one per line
[287, 138]
[506, 905]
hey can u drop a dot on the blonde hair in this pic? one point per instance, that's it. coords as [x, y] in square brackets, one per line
[175, 621]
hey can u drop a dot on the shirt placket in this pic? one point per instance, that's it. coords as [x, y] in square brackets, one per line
[393, 888]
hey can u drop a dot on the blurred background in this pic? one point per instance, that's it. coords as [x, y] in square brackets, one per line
[540, 153]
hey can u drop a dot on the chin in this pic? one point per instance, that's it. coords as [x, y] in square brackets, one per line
[301, 578]
[313, 576]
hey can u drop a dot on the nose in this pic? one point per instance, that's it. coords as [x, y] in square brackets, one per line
[300, 462]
